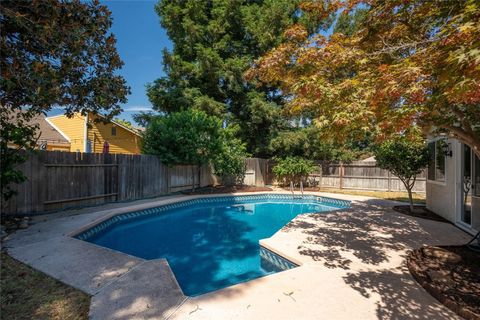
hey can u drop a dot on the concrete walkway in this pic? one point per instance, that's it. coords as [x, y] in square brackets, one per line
[352, 267]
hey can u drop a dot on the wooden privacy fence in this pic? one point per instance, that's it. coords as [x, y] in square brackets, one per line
[256, 173]
[357, 175]
[58, 180]
[361, 176]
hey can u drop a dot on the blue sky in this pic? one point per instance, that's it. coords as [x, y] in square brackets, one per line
[140, 41]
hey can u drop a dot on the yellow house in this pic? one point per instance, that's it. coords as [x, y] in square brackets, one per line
[85, 134]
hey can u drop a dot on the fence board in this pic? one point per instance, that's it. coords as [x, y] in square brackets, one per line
[58, 180]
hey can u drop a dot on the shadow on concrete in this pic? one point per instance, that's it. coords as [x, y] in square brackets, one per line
[398, 296]
[367, 232]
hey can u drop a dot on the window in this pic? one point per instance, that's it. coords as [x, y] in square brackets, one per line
[114, 131]
[436, 165]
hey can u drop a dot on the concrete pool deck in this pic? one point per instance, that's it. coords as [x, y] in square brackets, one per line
[352, 267]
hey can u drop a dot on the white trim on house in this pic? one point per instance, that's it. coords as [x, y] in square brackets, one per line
[120, 125]
[57, 116]
[459, 194]
[465, 227]
[438, 182]
[85, 134]
[57, 129]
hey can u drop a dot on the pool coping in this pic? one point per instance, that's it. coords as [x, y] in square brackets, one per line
[33, 252]
[126, 210]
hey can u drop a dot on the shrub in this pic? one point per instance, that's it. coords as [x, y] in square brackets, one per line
[229, 164]
[293, 169]
[187, 137]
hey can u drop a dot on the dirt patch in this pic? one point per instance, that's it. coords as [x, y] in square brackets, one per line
[30, 294]
[420, 212]
[224, 189]
[451, 274]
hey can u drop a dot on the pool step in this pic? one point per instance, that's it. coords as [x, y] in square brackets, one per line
[272, 262]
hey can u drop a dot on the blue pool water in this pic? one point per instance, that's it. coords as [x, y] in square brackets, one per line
[208, 245]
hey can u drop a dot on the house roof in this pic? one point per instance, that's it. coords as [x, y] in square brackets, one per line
[48, 132]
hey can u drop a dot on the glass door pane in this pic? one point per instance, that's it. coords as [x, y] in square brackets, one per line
[466, 209]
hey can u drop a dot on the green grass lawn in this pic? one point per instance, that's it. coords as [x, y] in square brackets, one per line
[418, 198]
[30, 294]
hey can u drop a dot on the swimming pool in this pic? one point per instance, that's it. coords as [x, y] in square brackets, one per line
[210, 243]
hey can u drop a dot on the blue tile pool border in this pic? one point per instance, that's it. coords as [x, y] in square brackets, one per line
[101, 226]
[280, 263]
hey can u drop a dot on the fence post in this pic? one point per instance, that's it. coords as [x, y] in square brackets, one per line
[168, 177]
[321, 175]
[389, 181]
[340, 171]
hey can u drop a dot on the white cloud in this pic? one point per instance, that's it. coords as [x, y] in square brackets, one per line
[137, 108]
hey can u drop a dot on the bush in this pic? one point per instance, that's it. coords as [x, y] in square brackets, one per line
[194, 138]
[188, 137]
[293, 169]
[229, 164]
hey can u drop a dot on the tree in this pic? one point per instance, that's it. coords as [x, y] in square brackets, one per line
[309, 143]
[293, 169]
[54, 53]
[405, 158]
[215, 42]
[188, 137]
[410, 63]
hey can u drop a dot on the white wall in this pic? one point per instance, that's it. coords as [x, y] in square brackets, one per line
[441, 196]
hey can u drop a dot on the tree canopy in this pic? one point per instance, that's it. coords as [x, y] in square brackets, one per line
[185, 137]
[215, 42]
[59, 53]
[309, 142]
[406, 63]
[53, 53]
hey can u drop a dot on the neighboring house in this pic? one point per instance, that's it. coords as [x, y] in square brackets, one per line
[453, 183]
[85, 134]
[47, 137]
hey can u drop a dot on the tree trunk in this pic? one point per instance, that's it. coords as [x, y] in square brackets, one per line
[410, 199]
[409, 188]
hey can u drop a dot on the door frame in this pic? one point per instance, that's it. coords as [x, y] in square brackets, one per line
[459, 165]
